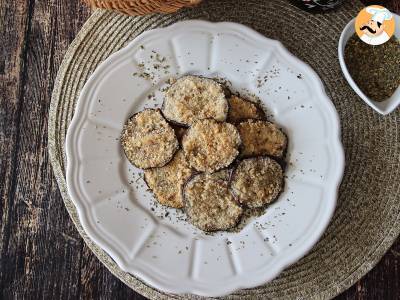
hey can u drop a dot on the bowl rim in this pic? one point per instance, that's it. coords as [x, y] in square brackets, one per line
[393, 101]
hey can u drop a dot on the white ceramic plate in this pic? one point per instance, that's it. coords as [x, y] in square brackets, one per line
[156, 244]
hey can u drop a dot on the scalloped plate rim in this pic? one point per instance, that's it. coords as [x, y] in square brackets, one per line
[199, 289]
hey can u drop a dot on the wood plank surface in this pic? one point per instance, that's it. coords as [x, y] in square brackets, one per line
[42, 256]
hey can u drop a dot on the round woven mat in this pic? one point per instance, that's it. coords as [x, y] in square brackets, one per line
[367, 218]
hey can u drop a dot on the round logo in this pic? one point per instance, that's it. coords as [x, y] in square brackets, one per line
[374, 25]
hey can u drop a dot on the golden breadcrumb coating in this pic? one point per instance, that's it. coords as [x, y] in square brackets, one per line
[209, 203]
[193, 98]
[167, 182]
[241, 109]
[210, 145]
[148, 140]
[261, 138]
[257, 181]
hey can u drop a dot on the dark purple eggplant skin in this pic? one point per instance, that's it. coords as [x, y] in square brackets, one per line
[161, 164]
[225, 88]
[188, 125]
[233, 174]
[185, 201]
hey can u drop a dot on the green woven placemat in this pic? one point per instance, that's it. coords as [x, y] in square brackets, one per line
[367, 217]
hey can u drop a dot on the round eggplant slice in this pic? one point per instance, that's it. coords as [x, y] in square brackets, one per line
[193, 98]
[241, 109]
[148, 140]
[209, 204]
[167, 182]
[261, 138]
[210, 145]
[256, 182]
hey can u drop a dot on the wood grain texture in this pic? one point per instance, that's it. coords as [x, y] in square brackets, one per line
[41, 253]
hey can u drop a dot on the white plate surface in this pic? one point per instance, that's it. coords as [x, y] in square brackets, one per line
[155, 243]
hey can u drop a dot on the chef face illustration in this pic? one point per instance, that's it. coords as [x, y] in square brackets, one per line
[373, 30]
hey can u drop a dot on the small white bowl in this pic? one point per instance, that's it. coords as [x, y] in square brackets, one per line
[385, 107]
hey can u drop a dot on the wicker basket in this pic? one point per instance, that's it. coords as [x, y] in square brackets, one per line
[142, 7]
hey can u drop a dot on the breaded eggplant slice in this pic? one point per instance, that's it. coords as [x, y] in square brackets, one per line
[257, 181]
[193, 98]
[261, 138]
[210, 145]
[167, 182]
[209, 204]
[148, 140]
[241, 109]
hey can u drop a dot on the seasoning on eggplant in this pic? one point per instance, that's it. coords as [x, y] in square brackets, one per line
[241, 109]
[257, 181]
[167, 182]
[148, 140]
[209, 204]
[262, 138]
[193, 98]
[210, 145]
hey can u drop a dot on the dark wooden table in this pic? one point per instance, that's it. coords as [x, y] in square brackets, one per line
[41, 253]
